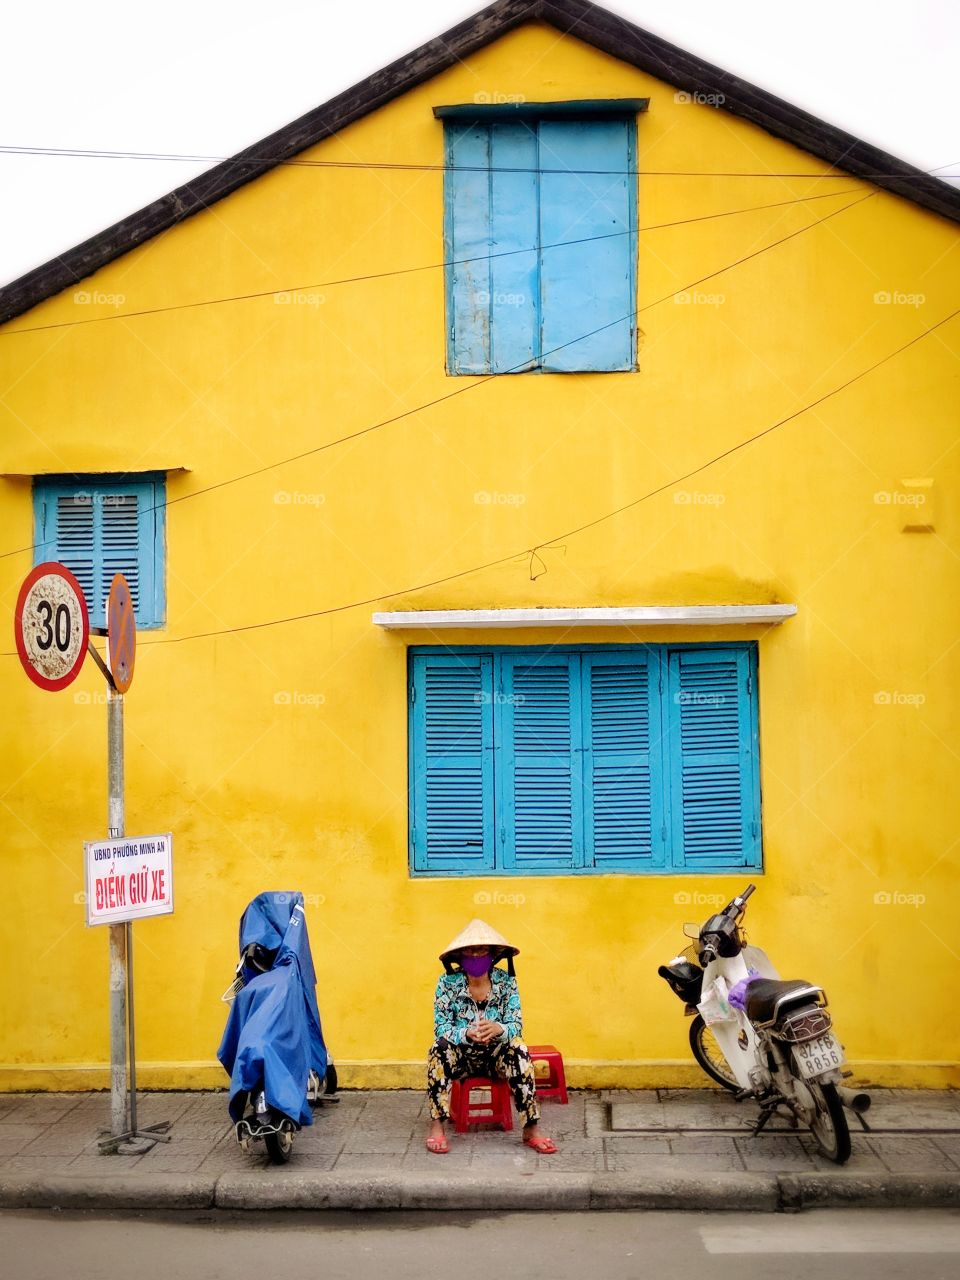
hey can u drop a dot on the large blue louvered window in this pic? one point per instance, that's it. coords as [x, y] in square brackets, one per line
[99, 526]
[583, 760]
[540, 241]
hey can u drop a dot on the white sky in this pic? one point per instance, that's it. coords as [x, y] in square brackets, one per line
[210, 76]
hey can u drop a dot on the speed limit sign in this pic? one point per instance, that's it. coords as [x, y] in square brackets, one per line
[51, 626]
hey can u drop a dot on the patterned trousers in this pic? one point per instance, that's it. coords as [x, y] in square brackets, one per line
[510, 1060]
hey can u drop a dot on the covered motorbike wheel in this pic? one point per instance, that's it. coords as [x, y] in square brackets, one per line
[829, 1123]
[279, 1146]
[709, 1055]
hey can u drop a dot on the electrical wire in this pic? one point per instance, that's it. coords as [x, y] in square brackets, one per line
[479, 382]
[402, 271]
[581, 528]
[277, 161]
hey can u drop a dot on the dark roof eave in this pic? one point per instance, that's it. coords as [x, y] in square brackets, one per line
[587, 22]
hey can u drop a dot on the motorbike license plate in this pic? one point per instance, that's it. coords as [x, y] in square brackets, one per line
[814, 1057]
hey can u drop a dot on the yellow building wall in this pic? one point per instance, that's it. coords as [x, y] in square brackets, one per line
[278, 757]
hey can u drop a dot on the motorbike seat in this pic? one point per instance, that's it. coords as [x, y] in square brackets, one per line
[765, 995]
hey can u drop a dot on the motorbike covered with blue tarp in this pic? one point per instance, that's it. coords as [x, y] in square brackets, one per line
[273, 1039]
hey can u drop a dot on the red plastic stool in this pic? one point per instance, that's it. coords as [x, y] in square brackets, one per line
[552, 1083]
[492, 1107]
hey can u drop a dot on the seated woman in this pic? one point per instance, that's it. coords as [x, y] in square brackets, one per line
[479, 1032]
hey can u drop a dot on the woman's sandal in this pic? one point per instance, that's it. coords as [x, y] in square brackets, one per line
[543, 1146]
[439, 1146]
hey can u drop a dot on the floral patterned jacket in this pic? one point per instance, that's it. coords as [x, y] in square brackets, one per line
[455, 1008]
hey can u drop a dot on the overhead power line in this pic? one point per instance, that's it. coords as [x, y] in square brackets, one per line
[403, 271]
[577, 529]
[243, 161]
[480, 381]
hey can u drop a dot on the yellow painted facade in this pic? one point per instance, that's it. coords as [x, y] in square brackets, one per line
[859, 748]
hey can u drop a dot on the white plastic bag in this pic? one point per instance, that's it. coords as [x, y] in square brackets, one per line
[714, 1006]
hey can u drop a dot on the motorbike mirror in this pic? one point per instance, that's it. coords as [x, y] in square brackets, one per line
[691, 930]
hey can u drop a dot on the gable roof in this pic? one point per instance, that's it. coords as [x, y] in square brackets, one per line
[587, 22]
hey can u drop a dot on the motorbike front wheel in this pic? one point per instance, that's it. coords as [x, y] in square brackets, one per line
[829, 1124]
[709, 1056]
[279, 1146]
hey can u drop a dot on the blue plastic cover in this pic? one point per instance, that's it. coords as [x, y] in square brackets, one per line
[273, 1035]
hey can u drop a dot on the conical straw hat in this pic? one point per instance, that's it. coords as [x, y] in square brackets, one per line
[479, 934]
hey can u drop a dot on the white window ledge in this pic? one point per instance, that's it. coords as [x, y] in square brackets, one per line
[695, 615]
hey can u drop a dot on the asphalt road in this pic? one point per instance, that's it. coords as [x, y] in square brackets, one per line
[842, 1243]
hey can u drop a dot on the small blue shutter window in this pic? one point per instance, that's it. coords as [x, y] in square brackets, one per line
[451, 784]
[624, 820]
[119, 529]
[513, 192]
[587, 287]
[99, 527]
[540, 795]
[70, 538]
[714, 793]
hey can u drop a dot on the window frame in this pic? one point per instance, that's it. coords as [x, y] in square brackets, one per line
[533, 114]
[150, 486]
[663, 779]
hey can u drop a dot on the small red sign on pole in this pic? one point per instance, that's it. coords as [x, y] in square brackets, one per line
[122, 633]
[51, 626]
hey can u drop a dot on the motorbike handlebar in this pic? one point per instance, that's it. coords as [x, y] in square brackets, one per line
[737, 904]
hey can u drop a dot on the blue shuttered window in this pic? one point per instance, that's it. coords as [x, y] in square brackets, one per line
[624, 816]
[712, 775]
[452, 740]
[538, 762]
[540, 221]
[573, 760]
[99, 526]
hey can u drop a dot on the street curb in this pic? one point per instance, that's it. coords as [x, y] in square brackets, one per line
[308, 1190]
[97, 1191]
[273, 1190]
[411, 1191]
[747, 1192]
[868, 1190]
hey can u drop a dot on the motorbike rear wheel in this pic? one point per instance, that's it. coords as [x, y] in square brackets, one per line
[829, 1125]
[709, 1056]
[279, 1146]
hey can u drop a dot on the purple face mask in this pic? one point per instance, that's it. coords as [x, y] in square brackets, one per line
[476, 966]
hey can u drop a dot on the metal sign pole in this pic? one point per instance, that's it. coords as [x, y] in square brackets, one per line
[119, 1121]
[131, 1037]
[125, 1138]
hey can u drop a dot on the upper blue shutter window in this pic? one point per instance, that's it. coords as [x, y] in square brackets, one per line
[540, 244]
[99, 526]
[568, 760]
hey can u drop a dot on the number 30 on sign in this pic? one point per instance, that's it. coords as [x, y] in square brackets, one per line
[51, 626]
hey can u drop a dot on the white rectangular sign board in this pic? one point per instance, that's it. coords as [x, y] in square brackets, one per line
[128, 879]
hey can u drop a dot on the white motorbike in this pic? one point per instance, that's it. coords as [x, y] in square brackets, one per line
[762, 1038]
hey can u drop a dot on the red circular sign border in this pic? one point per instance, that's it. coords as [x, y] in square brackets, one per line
[40, 571]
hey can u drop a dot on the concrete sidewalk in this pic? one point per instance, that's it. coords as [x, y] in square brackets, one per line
[685, 1148]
